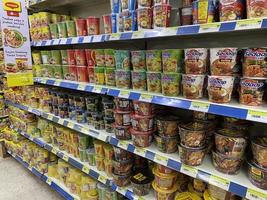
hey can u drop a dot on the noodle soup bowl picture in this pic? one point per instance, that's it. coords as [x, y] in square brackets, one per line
[13, 38]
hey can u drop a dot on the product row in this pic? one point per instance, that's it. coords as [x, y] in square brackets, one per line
[125, 168]
[133, 15]
[193, 137]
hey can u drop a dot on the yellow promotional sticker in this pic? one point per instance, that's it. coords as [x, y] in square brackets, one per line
[19, 79]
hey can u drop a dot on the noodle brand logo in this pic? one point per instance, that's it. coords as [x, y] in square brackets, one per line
[153, 77]
[249, 84]
[259, 54]
[168, 78]
[226, 54]
[166, 54]
[12, 6]
[189, 80]
[216, 82]
[194, 54]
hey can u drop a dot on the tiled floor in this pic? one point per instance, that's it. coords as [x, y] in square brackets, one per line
[17, 183]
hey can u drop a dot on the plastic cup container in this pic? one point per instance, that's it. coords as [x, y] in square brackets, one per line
[141, 138]
[192, 156]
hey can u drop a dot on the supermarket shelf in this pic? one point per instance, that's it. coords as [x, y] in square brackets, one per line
[238, 184]
[217, 27]
[53, 183]
[233, 109]
[86, 168]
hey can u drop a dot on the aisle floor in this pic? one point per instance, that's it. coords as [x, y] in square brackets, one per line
[17, 183]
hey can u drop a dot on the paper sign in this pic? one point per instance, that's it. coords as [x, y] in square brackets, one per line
[16, 42]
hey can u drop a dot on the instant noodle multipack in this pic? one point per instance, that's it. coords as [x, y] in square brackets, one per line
[221, 74]
[191, 138]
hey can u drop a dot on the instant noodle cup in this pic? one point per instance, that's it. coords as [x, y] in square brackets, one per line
[107, 24]
[110, 76]
[71, 28]
[144, 3]
[161, 194]
[122, 104]
[188, 195]
[186, 17]
[153, 60]
[64, 57]
[122, 167]
[232, 10]
[161, 16]
[122, 132]
[129, 20]
[256, 9]
[193, 86]
[99, 77]
[142, 123]
[220, 88]
[172, 60]
[108, 152]
[196, 60]
[99, 150]
[170, 83]
[166, 144]
[139, 80]
[141, 138]
[257, 175]
[53, 31]
[71, 57]
[80, 57]
[223, 61]
[154, 82]
[226, 164]
[100, 163]
[121, 180]
[90, 57]
[143, 108]
[138, 60]
[163, 169]
[81, 27]
[259, 150]
[123, 78]
[91, 74]
[254, 64]
[230, 143]
[144, 18]
[192, 156]
[203, 11]
[109, 57]
[122, 118]
[192, 134]
[141, 184]
[93, 25]
[82, 74]
[100, 57]
[62, 30]
[73, 72]
[164, 181]
[55, 57]
[46, 56]
[251, 91]
[36, 58]
[58, 74]
[109, 124]
[122, 58]
[121, 154]
[167, 125]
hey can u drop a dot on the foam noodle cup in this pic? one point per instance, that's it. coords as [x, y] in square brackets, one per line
[80, 57]
[259, 150]
[53, 31]
[153, 60]
[255, 64]
[170, 84]
[220, 88]
[193, 86]
[138, 59]
[123, 78]
[71, 57]
[195, 60]
[62, 30]
[81, 27]
[256, 8]
[93, 25]
[154, 82]
[223, 61]
[172, 60]
[138, 80]
[144, 18]
[251, 91]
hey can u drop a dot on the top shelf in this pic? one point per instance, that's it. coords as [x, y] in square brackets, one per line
[217, 27]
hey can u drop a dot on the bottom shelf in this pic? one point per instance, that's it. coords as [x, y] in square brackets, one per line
[53, 183]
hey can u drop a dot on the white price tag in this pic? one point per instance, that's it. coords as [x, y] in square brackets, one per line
[146, 98]
[188, 170]
[115, 36]
[252, 194]
[57, 83]
[199, 106]
[49, 181]
[50, 117]
[97, 89]
[60, 121]
[85, 169]
[140, 152]
[161, 160]
[169, 31]
[138, 34]
[259, 116]
[219, 182]
[97, 38]
[248, 24]
[124, 94]
[81, 87]
[211, 27]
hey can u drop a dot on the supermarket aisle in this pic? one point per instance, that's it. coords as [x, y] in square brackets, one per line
[17, 183]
